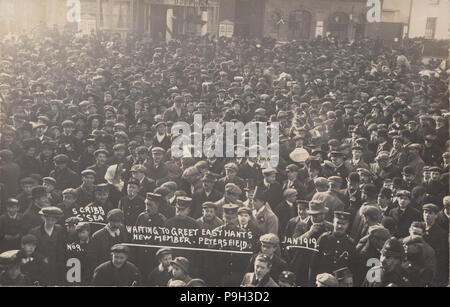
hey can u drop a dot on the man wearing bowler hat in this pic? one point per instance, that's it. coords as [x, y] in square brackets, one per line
[117, 271]
[39, 200]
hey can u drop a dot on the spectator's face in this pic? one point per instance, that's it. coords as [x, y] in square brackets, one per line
[83, 235]
[435, 176]
[132, 190]
[357, 154]
[271, 178]
[151, 207]
[292, 175]
[50, 220]
[408, 177]
[12, 209]
[119, 153]
[388, 263]
[261, 269]
[208, 185]
[230, 173]
[29, 248]
[232, 196]
[403, 201]
[101, 159]
[27, 188]
[114, 225]
[429, 217]
[118, 259]
[426, 176]
[209, 213]
[339, 226]
[318, 218]
[177, 272]
[268, 249]
[157, 157]
[165, 260]
[416, 231]
[89, 180]
[48, 186]
[101, 196]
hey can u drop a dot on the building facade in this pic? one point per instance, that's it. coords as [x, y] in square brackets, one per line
[429, 19]
[296, 19]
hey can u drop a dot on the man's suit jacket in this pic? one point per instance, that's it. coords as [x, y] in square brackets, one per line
[249, 281]
[99, 249]
[273, 193]
[404, 220]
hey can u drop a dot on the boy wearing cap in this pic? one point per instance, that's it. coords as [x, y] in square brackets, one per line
[231, 170]
[51, 239]
[158, 169]
[132, 204]
[85, 192]
[11, 226]
[161, 275]
[34, 264]
[54, 195]
[117, 271]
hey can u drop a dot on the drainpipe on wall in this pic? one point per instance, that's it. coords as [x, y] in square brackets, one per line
[409, 17]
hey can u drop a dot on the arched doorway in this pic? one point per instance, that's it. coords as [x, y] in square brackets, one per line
[338, 24]
[299, 24]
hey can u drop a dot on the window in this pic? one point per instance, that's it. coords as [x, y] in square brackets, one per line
[115, 14]
[430, 28]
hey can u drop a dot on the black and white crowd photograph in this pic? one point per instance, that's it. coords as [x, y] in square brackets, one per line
[224, 143]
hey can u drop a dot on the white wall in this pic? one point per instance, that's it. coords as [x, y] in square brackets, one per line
[422, 10]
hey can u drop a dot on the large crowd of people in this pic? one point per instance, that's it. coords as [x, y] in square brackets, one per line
[359, 197]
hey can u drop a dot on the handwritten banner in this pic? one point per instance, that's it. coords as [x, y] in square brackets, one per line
[192, 238]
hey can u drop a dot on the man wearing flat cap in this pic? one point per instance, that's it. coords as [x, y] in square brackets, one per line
[180, 270]
[271, 187]
[269, 244]
[65, 177]
[138, 172]
[414, 158]
[100, 166]
[292, 182]
[85, 192]
[287, 209]
[207, 194]
[404, 214]
[209, 220]
[260, 276]
[102, 240]
[132, 204]
[118, 271]
[158, 169]
[51, 240]
[161, 274]
[336, 249]
[331, 198]
[231, 170]
[232, 194]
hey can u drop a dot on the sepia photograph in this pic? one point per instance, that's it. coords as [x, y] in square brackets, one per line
[224, 144]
